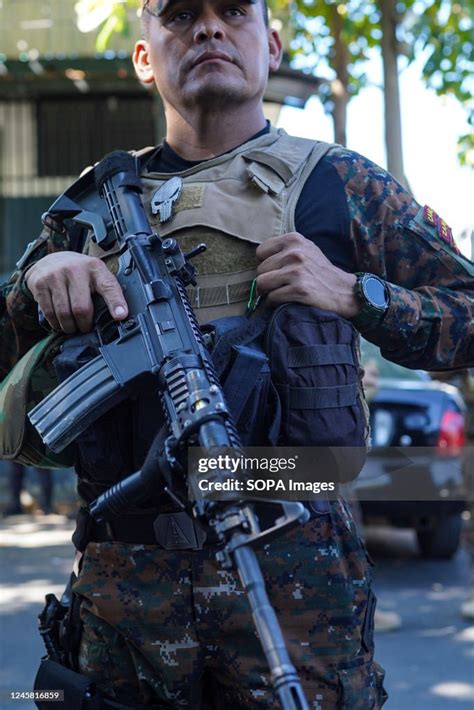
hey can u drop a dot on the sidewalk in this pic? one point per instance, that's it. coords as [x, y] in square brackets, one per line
[36, 557]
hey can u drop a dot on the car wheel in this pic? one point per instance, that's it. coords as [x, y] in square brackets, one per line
[442, 541]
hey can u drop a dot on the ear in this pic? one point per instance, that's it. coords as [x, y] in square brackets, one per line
[141, 62]
[275, 49]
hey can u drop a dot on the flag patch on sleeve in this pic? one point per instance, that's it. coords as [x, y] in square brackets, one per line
[444, 230]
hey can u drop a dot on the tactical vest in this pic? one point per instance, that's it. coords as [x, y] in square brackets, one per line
[232, 203]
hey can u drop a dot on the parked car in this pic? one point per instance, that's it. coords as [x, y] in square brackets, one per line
[413, 476]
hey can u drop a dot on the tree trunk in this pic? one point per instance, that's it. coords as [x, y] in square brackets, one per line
[393, 122]
[339, 87]
[339, 117]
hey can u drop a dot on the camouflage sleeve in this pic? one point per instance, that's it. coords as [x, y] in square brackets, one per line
[19, 327]
[430, 321]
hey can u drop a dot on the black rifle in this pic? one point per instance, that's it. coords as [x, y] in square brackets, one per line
[161, 337]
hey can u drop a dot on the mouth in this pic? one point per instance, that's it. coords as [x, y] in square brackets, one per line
[212, 57]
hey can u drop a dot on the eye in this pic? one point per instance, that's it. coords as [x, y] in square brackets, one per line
[234, 11]
[181, 17]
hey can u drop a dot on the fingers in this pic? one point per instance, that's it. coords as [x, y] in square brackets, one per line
[284, 263]
[284, 242]
[80, 302]
[62, 310]
[106, 285]
[293, 268]
[286, 257]
[63, 284]
[46, 305]
[270, 246]
[276, 278]
[285, 294]
[289, 281]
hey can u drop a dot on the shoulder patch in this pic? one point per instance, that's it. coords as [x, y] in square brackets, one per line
[444, 231]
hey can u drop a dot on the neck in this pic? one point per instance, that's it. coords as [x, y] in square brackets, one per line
[202, 137]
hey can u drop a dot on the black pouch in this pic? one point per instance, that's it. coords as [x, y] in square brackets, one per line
[292, 377]
[79, 691]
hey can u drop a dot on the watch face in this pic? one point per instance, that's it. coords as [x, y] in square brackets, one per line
[374, 292]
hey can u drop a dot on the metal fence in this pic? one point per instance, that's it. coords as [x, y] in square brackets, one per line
[46, 142]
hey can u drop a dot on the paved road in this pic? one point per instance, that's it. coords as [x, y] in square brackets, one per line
[35, 558]
[429, 661]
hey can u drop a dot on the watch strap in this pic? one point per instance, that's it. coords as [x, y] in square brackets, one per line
[369, 315]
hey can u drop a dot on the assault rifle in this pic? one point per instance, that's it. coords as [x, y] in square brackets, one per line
[161, 338]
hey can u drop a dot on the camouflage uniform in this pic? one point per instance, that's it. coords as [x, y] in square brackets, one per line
[158, 626]
[155, 622]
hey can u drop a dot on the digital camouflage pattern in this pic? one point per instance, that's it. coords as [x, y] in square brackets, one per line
[158, 622]
[155, 621]
[430, 321]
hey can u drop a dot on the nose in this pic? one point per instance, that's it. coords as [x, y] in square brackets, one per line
[209, 26]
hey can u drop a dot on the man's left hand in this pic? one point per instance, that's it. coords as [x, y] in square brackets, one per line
[292, 268]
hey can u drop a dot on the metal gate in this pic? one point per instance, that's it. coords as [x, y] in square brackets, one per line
[46, 142]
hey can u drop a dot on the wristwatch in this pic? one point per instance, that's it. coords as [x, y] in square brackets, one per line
[373, 295]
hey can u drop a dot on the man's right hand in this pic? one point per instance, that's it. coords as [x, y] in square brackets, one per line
[63, 283]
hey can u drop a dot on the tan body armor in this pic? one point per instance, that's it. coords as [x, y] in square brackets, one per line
[233, 203]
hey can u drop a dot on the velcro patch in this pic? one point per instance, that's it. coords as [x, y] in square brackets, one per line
[192, 197]
[445, 232]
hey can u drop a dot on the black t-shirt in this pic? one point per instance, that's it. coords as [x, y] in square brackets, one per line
[321, 214]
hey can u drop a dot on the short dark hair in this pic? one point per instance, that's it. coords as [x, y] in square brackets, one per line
[145, 16]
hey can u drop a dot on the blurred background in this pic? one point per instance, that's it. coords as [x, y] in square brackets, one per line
[391, 80]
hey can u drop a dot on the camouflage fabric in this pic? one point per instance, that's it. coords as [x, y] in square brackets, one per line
[29, 382]
[19, 325]
[160, 626]
[430, 322]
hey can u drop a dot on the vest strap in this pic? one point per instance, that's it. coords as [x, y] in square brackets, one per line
[309, 355]
[241, 380]
[202, 296]
[320, 397]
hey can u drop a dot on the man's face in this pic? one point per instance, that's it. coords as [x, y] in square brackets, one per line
[207, 53]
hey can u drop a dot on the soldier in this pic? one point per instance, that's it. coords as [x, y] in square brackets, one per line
[315, 224]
